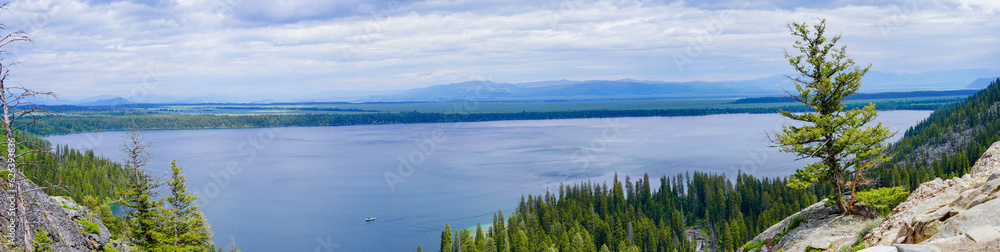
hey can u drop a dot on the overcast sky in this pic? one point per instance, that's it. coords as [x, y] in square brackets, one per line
[242, 47]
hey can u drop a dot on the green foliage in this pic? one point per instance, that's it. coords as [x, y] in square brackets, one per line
[183, 225]
[753, 245]
[859, 241]
[80, 172]
[796, 221]
[102, 122]
[857, 247]
[108, 248]
[115, 224]
[886, 95]
[89, 226]
[838, 139]
[145, 214]
[884, 199]
[959, 134]
[446, 238]
[42, 241]
[635, 216]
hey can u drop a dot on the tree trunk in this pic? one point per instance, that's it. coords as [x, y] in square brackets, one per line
[21, 213]
[841, 205]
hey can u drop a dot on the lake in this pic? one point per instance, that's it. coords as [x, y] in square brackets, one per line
[311, 188]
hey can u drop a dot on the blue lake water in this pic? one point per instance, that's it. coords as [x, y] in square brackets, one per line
[311, 188]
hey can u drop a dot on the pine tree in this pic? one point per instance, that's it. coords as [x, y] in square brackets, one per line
[142, 218]
[480, 238]
[144, 214]
[185, 226]
[520, 242]
[42, 240]
[446, 238]
[839, 139]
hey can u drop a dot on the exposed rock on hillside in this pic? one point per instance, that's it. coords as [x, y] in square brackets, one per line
[945, 213]
[820, 229]
[59, 217]
[959, 214]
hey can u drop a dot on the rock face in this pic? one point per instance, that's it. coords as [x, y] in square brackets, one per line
[820, 229]
[959, 214]
[948, 212]
[59, 217]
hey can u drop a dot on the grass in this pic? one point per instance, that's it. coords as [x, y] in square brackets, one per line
[859, 242]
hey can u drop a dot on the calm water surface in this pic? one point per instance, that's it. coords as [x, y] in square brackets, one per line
[310, 188]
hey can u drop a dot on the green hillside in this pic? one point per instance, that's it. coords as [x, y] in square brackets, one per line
[947, 143]
[631, 216]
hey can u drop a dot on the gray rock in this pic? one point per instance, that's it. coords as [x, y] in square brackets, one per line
[58, 217]
[939, 210]
[983, 234]
[916, 248]
[820, 245]
[984, 214]
[880, 249]
[821, 228]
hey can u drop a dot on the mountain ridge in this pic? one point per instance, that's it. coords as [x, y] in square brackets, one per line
[772, 85]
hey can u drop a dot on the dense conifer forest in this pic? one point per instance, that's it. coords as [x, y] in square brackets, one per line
[636, 216]
[118, 118]
[947, 143]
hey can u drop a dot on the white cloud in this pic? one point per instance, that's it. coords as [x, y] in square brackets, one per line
[247, 47]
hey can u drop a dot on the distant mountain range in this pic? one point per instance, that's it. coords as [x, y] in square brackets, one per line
[874, 82]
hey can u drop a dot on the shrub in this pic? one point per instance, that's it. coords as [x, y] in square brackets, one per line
[752, 245]
[41, 240]
[796, 221]
[859, 242]
[108, 248]
[884, 199]
[89, 226]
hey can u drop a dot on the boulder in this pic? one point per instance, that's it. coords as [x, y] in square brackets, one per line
[938, 211]
[820, 229]
[879, 249]
[916, 248]
[983, 234]
[820, 245]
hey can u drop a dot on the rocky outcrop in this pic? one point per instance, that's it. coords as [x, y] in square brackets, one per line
[820, 229]
[945, 213]
[60, 218]
[959, 214]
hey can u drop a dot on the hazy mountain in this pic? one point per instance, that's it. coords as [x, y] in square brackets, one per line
[873, 82]
[980, 83]
[565, 89]
[106, 102]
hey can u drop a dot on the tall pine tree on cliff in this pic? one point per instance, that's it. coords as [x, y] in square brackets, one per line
[838, 138]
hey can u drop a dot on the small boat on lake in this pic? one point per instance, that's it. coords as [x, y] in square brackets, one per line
[370, 219]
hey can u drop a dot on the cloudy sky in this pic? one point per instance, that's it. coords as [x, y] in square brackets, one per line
[243, 47]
